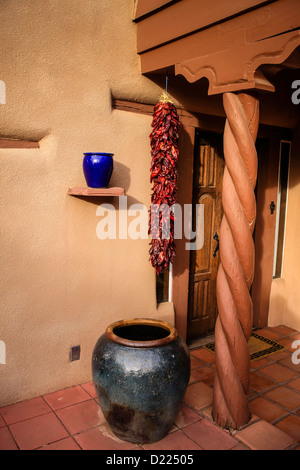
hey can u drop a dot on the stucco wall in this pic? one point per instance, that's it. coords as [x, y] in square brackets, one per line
[61, 62]
[285, 293]
[61, 285]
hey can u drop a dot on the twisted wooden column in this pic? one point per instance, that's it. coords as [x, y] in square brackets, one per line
[236, 269]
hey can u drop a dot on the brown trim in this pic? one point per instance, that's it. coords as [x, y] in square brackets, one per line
[18, 144]
[187, 118]
[267, 183]
[145, 8]
[172, 333]
[181, 264]
[226, 44]
[188, 17]
[283, 183]
[133, 107]
[207, 122]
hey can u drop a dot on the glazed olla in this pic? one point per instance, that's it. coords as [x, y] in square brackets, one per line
[141, 369]
[97, 169]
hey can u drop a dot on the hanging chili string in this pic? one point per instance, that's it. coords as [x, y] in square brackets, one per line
[164, 175]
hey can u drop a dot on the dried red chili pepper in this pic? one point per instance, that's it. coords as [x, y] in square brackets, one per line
[164, 175]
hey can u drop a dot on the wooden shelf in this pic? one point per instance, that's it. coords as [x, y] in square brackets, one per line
[18, 144]
[86, 191]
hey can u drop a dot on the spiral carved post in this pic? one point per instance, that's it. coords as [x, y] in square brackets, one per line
[236, 269]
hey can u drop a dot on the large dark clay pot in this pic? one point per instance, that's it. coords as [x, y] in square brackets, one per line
[141, 369]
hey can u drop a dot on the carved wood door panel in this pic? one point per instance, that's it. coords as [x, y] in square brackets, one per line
[207, 187]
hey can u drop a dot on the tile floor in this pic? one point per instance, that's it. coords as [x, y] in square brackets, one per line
[71, 419]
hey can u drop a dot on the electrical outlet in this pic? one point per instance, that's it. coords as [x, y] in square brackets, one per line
[74, 353]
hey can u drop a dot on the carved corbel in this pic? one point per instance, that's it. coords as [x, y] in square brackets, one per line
[235, 68]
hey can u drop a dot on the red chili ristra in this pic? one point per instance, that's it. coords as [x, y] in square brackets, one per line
[164, 175]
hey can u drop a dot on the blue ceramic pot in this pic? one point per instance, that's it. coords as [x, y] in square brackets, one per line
[97, 169]
[141, 369]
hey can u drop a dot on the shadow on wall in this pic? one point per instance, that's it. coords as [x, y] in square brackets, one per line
[185, 166]
[120, 178]
[279, 311]
[190, 96]
[276, 109]
[265, 229]
[277, 305]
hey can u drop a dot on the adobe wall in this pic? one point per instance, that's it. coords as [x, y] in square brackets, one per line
[285, 293]
[60, 285]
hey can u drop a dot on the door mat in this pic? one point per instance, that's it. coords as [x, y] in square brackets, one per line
[259, 347]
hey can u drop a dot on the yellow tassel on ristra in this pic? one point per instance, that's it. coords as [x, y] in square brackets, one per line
[165, 98]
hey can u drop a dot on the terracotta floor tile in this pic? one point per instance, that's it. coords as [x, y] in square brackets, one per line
[291, 426]
[24, 410]
[251, 393]
[198, 395]
[100, 438]
[209, 436]
[294, 384]
[287, 343]
[34, 425]
[259, 382]
[6, 440]
[275, 357]
[207, 413]
[204, 374]
[259, 363]
[2, 422]
[81, 417]
[265, 409]
[64, 444]
[186, 416]
[240, 447]
[195, 362]
[66, 397]
[204, 355]
[90, 388]
[278, 372]
[285, 397]
[267, 333]
[283, 330]
[263, 436]
[175, 441]
[38, 431]
[287, 362]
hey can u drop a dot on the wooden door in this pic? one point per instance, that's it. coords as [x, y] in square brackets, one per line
[207, 187]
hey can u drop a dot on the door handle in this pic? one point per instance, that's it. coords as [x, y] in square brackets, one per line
[272, 207]
[215, 237]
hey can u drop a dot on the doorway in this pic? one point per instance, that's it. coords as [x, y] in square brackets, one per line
[194, 273]
[204, 262]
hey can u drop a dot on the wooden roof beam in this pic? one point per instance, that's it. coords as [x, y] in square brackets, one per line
[228, 53]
